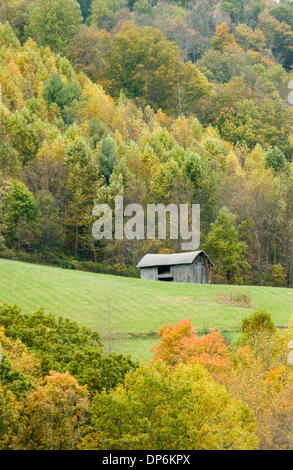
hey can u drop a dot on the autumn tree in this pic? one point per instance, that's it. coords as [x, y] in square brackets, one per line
[278, 277]
[222, 37]
[54, 24]
[56, 414]
[263, 206]
[82, 186]
[181, 343]
[145, 65]
[257, 331]
[9, 419]
[88, 52]
[268, 393]
[102, 13]
[249, 38]
[164, 408]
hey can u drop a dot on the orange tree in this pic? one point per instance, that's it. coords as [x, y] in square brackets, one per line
[181, 343]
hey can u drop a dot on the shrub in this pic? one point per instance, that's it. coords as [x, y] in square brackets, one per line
[236, 297]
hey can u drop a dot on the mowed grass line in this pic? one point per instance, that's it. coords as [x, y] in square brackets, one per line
[118, 305]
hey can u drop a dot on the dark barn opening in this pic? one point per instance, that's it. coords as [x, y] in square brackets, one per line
[164, 273]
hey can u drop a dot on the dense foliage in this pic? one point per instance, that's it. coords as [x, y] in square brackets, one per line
[60, 344]
[158, 101]
[197, 392]
[184, 408]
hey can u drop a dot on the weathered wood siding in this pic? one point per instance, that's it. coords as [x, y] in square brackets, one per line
[195, 272]
[149, 273]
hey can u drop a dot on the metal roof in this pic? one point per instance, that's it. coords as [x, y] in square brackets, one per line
[151, 260]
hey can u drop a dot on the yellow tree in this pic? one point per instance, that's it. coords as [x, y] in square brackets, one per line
[56, 414]
[172, 408]
[9, 419]
[262, 379]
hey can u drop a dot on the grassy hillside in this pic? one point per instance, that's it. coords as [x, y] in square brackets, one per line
[128, 311]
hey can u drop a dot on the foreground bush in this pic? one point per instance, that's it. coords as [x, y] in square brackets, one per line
[172, 408]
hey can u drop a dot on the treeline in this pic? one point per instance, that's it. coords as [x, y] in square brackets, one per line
[59, 392]
[155, 101]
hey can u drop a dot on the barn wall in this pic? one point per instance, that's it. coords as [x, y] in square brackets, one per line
[195, 272]
[149, 273]
[199, 273]
[181, 273]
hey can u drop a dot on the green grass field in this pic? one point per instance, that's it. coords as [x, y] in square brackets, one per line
[125, 310]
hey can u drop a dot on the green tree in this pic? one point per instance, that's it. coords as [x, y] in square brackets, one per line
[107, 157]
[276, 160]
[63, 345]
[283, 13]
[203, 185]
[48, 234]
[55, 23]
[7, 36]
[15, 12]
[10, 164]
[20, 211]
[55, 91]
[22, 133]
[85, 6]
[235, 8]
[279, 36]
[225, 249]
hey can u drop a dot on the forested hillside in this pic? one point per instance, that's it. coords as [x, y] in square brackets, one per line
[179, 101]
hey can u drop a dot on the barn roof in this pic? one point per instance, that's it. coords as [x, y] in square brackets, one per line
[151, 260]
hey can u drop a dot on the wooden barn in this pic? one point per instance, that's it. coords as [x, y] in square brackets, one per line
[194, 266]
